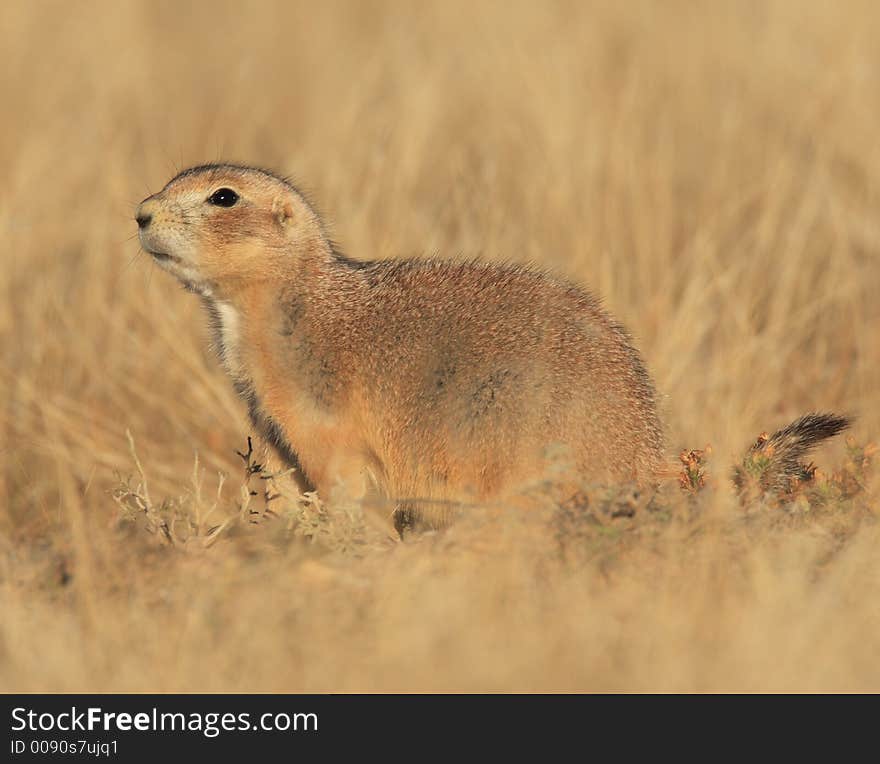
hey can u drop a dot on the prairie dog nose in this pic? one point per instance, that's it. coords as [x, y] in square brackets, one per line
[144, 214]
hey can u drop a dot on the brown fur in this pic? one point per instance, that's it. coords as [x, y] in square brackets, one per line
[405, 381]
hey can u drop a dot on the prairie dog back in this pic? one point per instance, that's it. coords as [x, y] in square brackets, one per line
[477, 369]
[401, 380]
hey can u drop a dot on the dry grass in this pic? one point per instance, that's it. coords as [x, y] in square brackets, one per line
[711, 169]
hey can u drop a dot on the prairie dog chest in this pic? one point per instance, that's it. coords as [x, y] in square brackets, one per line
[227, 327]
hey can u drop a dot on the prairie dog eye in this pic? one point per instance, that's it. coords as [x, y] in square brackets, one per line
[223, 197]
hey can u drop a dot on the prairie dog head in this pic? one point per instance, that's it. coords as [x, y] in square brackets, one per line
[216, 225]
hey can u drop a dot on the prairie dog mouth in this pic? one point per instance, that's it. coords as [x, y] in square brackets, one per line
[156, 254]
[162, 256]
[185, 273]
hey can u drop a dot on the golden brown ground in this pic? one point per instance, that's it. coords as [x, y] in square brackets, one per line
[712, 169]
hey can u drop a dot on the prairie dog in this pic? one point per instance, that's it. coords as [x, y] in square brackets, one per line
[404, 381]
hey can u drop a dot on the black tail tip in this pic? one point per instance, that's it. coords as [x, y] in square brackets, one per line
[815, 427]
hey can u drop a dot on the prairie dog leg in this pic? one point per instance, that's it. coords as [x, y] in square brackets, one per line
[270, 463]
[405, 518]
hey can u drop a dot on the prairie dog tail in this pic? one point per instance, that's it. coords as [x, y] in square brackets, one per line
[774, 461]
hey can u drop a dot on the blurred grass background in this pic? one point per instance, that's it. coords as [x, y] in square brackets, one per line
[712, 169]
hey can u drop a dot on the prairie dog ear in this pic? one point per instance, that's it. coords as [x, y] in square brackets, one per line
[282, 209]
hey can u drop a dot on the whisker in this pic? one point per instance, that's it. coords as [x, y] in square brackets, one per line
[132, 259]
